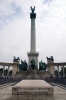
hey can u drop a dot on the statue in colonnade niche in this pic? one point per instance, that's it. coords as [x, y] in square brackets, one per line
[23, 66]
[16, 59]
[33, 64]
[42, 65]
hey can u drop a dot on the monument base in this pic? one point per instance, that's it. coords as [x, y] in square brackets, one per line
[33, 55]
[33, 75]
[24, 74]
[32, 90]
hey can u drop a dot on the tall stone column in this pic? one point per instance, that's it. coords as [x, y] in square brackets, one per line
[33, 54]
[8, 69]
[58, 69]
[33, 35]
[63, 70]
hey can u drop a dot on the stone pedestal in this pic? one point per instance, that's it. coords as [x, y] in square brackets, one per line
[15, 68]
[33, 75]
[51, 67]
[33, 55]
[32, 90]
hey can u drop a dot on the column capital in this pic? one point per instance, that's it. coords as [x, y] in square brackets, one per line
[32, 15]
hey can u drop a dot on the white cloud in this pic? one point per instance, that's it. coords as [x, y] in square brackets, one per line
[15, 29]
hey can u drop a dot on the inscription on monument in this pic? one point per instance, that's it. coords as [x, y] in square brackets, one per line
[48, 91]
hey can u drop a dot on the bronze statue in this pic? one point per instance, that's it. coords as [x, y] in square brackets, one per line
[16, 59]
[33, 64]
[50, 59]
[23, 66]
[33, 9]
[32, 14]
[42, 65]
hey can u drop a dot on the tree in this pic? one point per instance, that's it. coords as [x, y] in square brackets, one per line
[1, 71]
[10, 72]
[5, 72]
[56, 72]
[61, 72]
[65, 71]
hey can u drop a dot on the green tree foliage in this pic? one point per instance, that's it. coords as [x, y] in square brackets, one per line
[61, 72]
[5, 72]
[10, 72]
[1, 71]
[56, 72]
[65, 71]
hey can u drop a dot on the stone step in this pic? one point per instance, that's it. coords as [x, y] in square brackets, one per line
[6, 85]
[59, 85]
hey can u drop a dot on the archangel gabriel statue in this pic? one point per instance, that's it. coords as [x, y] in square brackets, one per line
[33, 9]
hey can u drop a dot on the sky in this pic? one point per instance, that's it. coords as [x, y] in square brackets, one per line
[15, 29]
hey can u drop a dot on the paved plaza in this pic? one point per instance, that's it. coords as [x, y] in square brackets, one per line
[59, 93]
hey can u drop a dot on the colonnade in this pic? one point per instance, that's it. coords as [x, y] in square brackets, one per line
[14, 69]
[4, 69]
[14, 66]
[59, 70]
[51, 67]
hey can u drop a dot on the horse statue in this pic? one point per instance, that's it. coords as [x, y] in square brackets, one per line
[23, 66]
[42, 65]
[16, 59]
[50, 59]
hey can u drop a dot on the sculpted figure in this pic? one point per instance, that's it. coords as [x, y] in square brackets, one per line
[16, 59]
[33, 64]
[23, 66]
[33, 9]
[42, 65]
[50, 59]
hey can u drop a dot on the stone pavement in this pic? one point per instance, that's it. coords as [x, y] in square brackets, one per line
[59, 93]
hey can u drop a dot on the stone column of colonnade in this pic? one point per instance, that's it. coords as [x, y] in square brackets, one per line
[3, 69]
[48, 68]
[58, 69]
[8, 69]
[63, 70]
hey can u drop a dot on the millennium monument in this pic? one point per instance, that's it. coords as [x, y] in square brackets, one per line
[33, 55]
[34, 88]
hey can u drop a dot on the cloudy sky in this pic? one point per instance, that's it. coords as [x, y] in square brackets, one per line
[15, 27]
